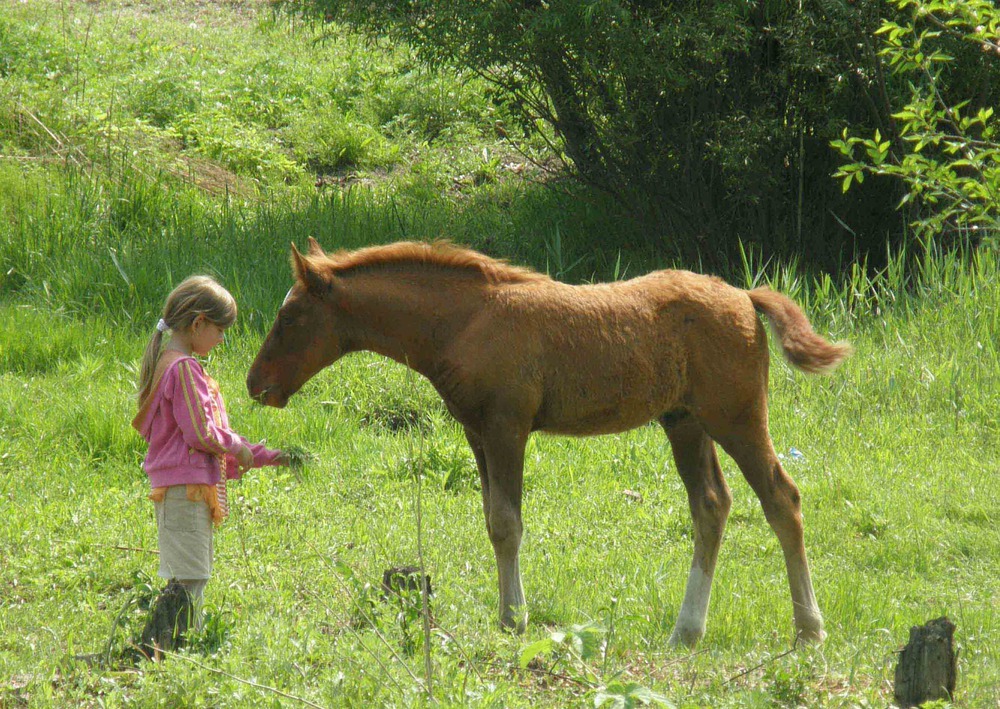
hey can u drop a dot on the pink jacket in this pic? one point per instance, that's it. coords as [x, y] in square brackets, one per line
[186, 444]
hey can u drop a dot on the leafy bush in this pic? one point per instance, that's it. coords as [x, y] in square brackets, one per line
[243, 148]
[268, 92]
[420, 103]
[326, 141]
[574, 651]
[946, 149]
[709, 124]
[31, 52]
[450, 468]
[13, 48]
[162, 98]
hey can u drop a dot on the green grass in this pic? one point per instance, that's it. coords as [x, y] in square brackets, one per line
[267, 100]
[899, 458]
[103, 216]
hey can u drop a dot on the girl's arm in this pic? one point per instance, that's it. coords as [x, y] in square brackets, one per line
[264, 456]
[261, 456]
[190, 397]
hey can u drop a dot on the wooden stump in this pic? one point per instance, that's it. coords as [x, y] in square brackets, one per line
[403, 587]
[167, 622]
[927, 668]
[404, 578]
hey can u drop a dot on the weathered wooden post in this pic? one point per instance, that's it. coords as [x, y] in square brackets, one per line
[168, 620]
[927, 667]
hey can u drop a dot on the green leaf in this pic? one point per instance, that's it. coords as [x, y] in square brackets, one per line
[539, 647]
[630, 695]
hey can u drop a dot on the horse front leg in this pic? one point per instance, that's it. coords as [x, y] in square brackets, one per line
[503, 451]
[476, 444]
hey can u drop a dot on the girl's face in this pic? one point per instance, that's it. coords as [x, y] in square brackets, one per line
[205, 335]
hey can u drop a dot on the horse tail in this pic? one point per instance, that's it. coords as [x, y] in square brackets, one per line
[802, 346]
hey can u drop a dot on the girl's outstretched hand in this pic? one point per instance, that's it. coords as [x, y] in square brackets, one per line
[244, 458]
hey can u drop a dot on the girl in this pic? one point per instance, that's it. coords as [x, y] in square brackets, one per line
[192, 449]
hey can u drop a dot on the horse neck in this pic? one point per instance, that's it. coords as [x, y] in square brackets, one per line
[412, 316]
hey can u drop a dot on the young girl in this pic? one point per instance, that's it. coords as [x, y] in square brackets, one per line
[192, 449]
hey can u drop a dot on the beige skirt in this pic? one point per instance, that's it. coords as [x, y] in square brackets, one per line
[184, 528]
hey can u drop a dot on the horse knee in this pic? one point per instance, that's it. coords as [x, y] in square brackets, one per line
[504, 528]
[786, 497]
[793, 494]
[783, 510]
[719, 502]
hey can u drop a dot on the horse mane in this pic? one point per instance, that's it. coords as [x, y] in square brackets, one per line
[439, 254]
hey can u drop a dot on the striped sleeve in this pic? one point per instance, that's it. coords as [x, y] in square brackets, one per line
[191, 401]
[262, 456]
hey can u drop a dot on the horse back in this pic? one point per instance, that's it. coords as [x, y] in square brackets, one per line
[583, 360]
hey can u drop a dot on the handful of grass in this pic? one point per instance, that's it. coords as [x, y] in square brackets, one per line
[299, 458]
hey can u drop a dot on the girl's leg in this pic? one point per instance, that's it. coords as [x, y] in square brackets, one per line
[196, 589]
[186, 542]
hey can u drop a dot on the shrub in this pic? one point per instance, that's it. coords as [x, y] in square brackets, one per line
[946, 148]
[326, 141]
[161, 99]
[710, 124]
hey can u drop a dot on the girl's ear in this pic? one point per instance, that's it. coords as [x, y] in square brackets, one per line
[308, 273]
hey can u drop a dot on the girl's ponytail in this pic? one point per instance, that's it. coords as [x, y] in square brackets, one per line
[149, 359]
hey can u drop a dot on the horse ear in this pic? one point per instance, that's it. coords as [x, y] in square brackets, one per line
[307, 273]
[314, 248]
[299, 265]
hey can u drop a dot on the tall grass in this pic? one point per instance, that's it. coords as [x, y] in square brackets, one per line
[116, 242]
[894, 455]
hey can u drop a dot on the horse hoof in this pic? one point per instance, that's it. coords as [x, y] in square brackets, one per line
[686, 637]
[811, 636]
[516, 625]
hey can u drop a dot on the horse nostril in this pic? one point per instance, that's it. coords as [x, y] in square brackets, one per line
[254, 387]
[254, 390]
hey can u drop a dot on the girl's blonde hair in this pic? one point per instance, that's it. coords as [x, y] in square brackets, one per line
[194, 296]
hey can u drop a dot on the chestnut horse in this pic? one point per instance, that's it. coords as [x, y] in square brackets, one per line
[512, 351]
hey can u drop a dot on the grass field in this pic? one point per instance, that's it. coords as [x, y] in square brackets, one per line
[895, 453]
[896, 462]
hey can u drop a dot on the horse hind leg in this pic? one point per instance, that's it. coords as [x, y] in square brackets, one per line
[709, 499]
[749, 444]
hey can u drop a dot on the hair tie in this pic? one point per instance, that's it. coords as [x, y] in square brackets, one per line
[162, 326]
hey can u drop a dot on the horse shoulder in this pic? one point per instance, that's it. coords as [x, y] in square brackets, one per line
[492, 362]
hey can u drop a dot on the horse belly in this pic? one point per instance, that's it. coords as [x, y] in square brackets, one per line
[609, 398]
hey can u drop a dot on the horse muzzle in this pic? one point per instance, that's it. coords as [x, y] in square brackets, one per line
[268, 395]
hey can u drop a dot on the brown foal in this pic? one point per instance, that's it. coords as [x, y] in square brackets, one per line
[512, 351]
